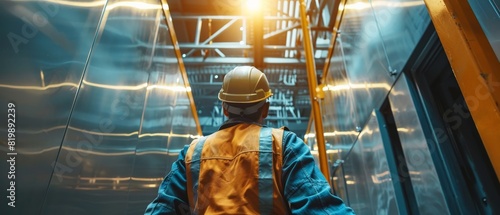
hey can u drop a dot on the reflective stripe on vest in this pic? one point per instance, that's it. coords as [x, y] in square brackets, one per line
[265, 171]
[195, 169]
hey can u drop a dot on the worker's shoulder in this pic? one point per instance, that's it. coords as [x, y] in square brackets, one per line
[284, 128]
[198, 139]
[287, 135]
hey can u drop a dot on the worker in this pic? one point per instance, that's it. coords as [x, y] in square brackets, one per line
[246, 167]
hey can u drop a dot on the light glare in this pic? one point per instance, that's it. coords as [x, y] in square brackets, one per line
[253, 5]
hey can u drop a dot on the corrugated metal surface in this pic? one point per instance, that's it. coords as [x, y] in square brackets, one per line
[99, 118]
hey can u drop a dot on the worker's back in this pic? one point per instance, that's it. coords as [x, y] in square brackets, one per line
[236, 170]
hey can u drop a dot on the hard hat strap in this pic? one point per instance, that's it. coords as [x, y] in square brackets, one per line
[243, 111]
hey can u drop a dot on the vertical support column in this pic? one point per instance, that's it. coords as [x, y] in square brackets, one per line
[475, 66]
[258, 38]
[311, 77]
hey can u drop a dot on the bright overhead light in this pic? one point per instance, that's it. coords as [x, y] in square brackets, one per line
[253, 5]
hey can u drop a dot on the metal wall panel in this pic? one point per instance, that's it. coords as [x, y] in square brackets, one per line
[153, 154]
[369, 183]
[488, 15]
[339, 103]
[95, 162]
[401, 25]
[167, 126]
[375, 39]
[43, 51]
[339, 184]
[119, 143]
[426, 185]
[365, 61]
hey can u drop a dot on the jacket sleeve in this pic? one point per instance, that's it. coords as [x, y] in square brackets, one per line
[172, 195]
[305, 188]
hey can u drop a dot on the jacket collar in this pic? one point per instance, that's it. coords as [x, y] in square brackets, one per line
[235, 121]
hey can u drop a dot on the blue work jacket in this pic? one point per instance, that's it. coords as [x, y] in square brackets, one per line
[246, 168]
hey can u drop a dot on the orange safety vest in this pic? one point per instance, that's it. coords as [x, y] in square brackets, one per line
[236, 170]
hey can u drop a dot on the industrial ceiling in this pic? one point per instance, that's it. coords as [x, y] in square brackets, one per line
[216, 36]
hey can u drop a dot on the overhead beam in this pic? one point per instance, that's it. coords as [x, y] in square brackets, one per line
[281, 31]
[236, 45]
[199, 23]
[242, 60]
[319, 21]
[216, 34]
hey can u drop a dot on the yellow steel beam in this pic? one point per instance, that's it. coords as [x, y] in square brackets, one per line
[311, 78]
[475, 66]
[170, 24]
[337, 15]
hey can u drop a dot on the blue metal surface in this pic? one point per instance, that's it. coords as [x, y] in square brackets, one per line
[339, 104]
[422, 171]
[365, 62]
[488, 14]
[400, 25]
[44, 48]
[369, 182]
[98, 122]
[375, 41]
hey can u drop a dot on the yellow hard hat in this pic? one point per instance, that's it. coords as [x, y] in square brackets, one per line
[244, 84]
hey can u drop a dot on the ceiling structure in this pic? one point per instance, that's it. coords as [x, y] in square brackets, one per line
[216, 35]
